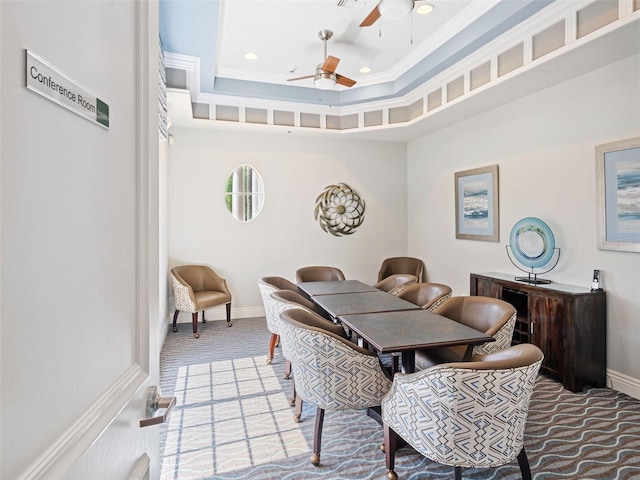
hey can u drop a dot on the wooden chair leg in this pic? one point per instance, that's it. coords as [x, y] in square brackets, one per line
[175, 319]
[317, 437]
[229, 314]
[458, 473]
[287, 370]
[523, 461]
[390, 447]
[194, 321]
[272, 347]
[298, 410]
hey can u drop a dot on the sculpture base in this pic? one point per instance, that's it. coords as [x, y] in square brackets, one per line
[533, 280]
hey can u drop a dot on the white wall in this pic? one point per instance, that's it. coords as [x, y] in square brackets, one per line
[544, 146]
[74, 227]
[285, 236]
[163, 236]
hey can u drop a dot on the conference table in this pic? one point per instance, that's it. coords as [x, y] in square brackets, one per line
[361, 302]
[312, 289]
[405, 332]
[387, 323]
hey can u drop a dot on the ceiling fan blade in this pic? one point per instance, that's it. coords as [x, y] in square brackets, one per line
[330, 64]
[345, 81]
[300, 78]
[371, 18]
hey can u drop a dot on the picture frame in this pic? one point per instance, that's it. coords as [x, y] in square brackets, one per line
[618, 195]
[477, 204]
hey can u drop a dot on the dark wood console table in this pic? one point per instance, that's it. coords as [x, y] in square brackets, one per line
[567, 322]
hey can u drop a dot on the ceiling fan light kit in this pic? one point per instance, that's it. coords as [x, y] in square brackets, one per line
[326, 77]
[324, 80]
[395, 9]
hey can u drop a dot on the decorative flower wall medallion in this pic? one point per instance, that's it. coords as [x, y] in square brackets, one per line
[339, 209]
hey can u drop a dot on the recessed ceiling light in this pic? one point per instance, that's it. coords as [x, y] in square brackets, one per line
[425, 8]
[251, 56]
[365, 70]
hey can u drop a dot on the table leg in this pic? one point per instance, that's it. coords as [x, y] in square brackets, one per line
[468, 353]
[408, 361]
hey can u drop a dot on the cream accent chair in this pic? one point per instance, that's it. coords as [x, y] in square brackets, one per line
[330, 372]
[268, 285]
[197, 288]
[319, 274]
[395, 284]
[393, 265]
[490, 315]
[467, 414]
[426, 295]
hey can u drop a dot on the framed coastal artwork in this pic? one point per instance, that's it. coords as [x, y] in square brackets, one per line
[618, 195]
[477, 206]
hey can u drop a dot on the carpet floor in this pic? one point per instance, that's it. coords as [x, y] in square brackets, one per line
[233, 421]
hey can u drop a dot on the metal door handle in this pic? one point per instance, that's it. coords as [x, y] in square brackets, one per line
[156, 402]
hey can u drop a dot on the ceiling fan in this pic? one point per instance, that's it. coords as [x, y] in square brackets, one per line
[326, 77]
[389, 9]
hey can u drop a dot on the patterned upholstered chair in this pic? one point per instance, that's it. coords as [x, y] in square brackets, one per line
[330, 372]
[268, 285]
[490, 315]
[286, 300]
[426, 295]
[196, 288]
[394, 284]
[393, 265]
[319, 274]
[469, 415]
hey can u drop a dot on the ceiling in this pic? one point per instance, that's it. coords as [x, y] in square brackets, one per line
[402, 54]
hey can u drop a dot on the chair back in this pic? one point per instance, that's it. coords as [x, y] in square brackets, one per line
[319, 274]
[268, 285]
[426, 295]
[192, 275]
[288, 300]
[490, 315]
[410, 265]
[466, 414]
[331, 372]
[395, 284]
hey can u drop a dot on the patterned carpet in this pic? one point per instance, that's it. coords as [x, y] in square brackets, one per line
[233, 421]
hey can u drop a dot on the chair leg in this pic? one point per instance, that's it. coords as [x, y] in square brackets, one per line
[287, 370]
[390, 447]
[204, 320]
[317, 437]
[272, 346]
[458, 473]
[229, 314]
[175, 319]
[297, 413]
[523, 461]
[194, 321]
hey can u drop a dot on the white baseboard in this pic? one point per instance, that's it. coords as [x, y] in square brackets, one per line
[623, 383]
[220, 313]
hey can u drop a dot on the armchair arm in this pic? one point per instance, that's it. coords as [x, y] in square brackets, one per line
[503, 336]
[184, 297]
[214, 282]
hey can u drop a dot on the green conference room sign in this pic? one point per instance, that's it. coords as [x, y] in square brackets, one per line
[43, 79]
